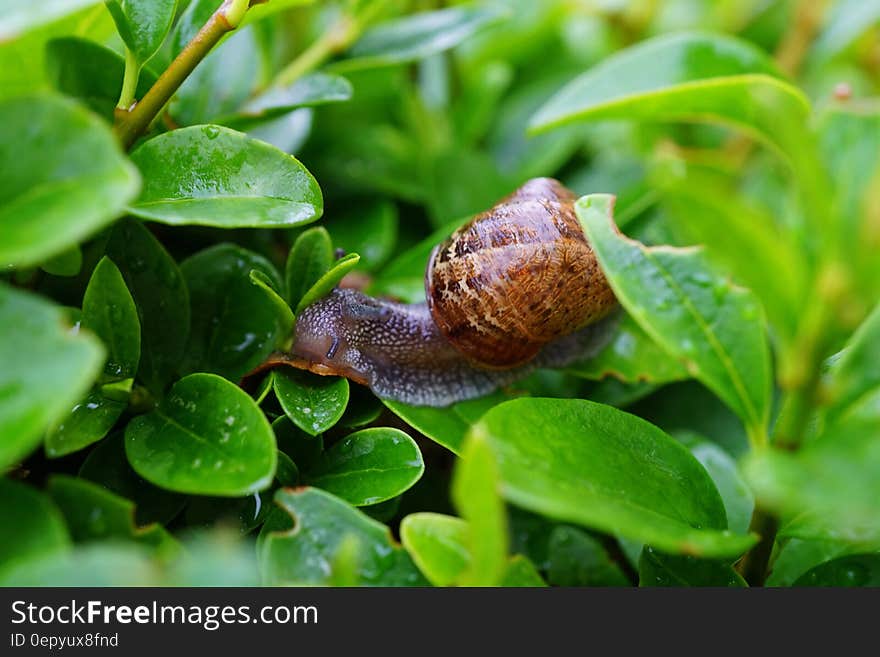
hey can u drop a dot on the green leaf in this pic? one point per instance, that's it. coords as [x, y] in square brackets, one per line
[438, 544]
[46, 370]
[65, 179]
[309, 91]
[160, 294]
[697, 77]
[835, 478]
[108, 466]
[847, 20]
[693, 312]
[328, 281]
[314, 403]
[862, 570]
[415, 37]
[90, 420]
[475, 493]
[213, 176]
[310, 257]
[658, 569]
[283, 314]
[441, 426]
[745, 239]
[92, 73]
[142, 25]
[369, 229]
[66, 263]
[521, 573]
[30, 525]
[369, 466]
[735, 493]
[301, 540]
[234, 327]
[242, 513]
[631, 356]
[97, 564]
[207, 437]
[19, 16]
[109, 312]
[610, 471]
[574, 558]
[855, 374]
[93, 514]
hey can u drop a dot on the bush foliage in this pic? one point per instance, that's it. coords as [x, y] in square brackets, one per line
[178, 179]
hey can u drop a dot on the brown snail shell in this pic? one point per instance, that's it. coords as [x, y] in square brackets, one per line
[516, 277]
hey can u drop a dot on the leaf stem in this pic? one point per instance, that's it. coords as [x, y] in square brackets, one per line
[129, 81]
[340, 35]
[227, 17]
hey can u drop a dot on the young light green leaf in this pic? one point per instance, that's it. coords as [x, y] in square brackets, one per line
[30, 525]
[314, 403]
[159, 292]
[417, 36]
[212, 176]
[19, 16]
[310, 257]
[521, 572]
[328, 281]
[610, 471]
[368, 466]
[438, 544]
[475, 493]
[687, 76]
[234, 327]
[88, 71]
[93, 514]
[207, 437]
[659, 569]
[715, 328]
[52, 198]
[283, 314]
[301, 540]
[631, 356]
[142, 25]
[46, 369]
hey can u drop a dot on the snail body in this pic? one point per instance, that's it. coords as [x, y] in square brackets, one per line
[516, 288]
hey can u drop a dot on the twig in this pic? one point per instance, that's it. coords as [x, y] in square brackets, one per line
[225, 19]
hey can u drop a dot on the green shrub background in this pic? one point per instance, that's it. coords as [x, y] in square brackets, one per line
[179, 179]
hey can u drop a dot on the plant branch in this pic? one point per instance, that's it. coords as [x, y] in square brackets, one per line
[340, 35]
[225, 19]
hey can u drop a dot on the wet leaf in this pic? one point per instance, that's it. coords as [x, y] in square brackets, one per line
[314, 403]
[46, 369]
[213, 176]
[658, 569]
[716, 329]
[65, 179]
[368, 466]
[207, 437]
[299, 543]
[603, 468]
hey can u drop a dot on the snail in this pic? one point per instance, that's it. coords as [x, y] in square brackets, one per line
[516, 288]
